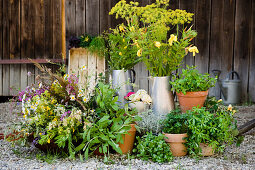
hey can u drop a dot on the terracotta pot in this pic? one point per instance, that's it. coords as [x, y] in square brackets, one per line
[206, 150]
[176, 143]
[192, 99]
[128, 139]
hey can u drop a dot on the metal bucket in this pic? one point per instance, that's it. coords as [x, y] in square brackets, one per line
[162, 97]
[231, 89]
[122, 81]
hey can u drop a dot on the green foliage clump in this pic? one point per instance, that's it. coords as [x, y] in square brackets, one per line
[217, 129]
[190, 80]
[175, 122]
[151, 147]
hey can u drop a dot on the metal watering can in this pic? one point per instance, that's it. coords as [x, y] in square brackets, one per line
[230, 88]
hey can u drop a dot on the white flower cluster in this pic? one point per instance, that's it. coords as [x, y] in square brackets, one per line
[140, 95]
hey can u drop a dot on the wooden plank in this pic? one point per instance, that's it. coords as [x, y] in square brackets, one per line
[251, 92]
[73, 62]
[91, 71]
[216, 41]
[80, 19]
[57, 38]
[241, 49]
[105, 19]
[92, 17]
[228, 37]
[25, 42]
[48, 9]
[1, 46]
[31, 51]
[39, 33]
[189, 6]
[100, 67]
[203, 9]
[174, 4]
[14, 45]
[6, 47]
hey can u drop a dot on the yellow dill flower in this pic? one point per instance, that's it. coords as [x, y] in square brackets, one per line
[230, 107]
[121, 28]
[139, 52]
[47, 108]
[86, 39]
[120, 53]
[48, 141]
[234, 111]
[193, 50]
[172, 39]
[132, 28]
[157, 44]
[125, 47]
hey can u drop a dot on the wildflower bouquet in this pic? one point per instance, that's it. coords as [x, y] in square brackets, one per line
[69, 115]
[163, 36]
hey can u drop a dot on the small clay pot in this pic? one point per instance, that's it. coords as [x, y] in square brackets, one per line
[128, 139]
[191, 99]
[206, 149]
[176, 143]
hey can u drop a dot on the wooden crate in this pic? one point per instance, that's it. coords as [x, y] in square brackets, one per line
[79, 57]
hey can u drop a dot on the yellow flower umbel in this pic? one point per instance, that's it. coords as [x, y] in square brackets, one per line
[172, 39]
[139, 52]
[157, 44]
[121, 28]
[193, 50]
[120, 53]
[132, 28]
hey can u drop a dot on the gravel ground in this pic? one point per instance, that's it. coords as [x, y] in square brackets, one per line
[15, 157]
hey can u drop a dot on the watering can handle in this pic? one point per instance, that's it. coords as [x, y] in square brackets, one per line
[216, 73]
[229, 74]
[134, 76]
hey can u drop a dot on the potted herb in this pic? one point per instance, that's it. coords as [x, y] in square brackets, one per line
[162, 44]
[191, 88]
[175, 128]
[152, 147]
[138, 100]
[210, 131]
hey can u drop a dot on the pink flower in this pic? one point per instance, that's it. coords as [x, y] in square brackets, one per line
[129, 94]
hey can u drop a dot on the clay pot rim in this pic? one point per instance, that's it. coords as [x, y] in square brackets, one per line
[193, 94]
[178, 137]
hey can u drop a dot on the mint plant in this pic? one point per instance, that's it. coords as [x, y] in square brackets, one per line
[153, 147]
[190, 80]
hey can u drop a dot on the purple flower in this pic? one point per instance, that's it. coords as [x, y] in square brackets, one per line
[29, 73]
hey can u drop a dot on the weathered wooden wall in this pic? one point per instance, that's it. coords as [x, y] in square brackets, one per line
[226, 39]
[28, 29]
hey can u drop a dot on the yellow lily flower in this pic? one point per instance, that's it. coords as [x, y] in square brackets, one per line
[172, 39]
[193, 50]
[230, 107]
[139, 52]
[157, 44]
[48, 141]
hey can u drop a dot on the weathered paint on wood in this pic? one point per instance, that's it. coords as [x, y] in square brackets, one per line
[1, 47]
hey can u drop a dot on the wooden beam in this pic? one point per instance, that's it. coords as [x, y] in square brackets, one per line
[27, 61]
[63, 29]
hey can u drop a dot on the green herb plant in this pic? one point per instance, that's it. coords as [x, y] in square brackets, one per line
[190, 80]
[217, 129]
[151, 147]
[175, 122]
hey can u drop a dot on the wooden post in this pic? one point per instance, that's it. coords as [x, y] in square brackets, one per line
[63, 30]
